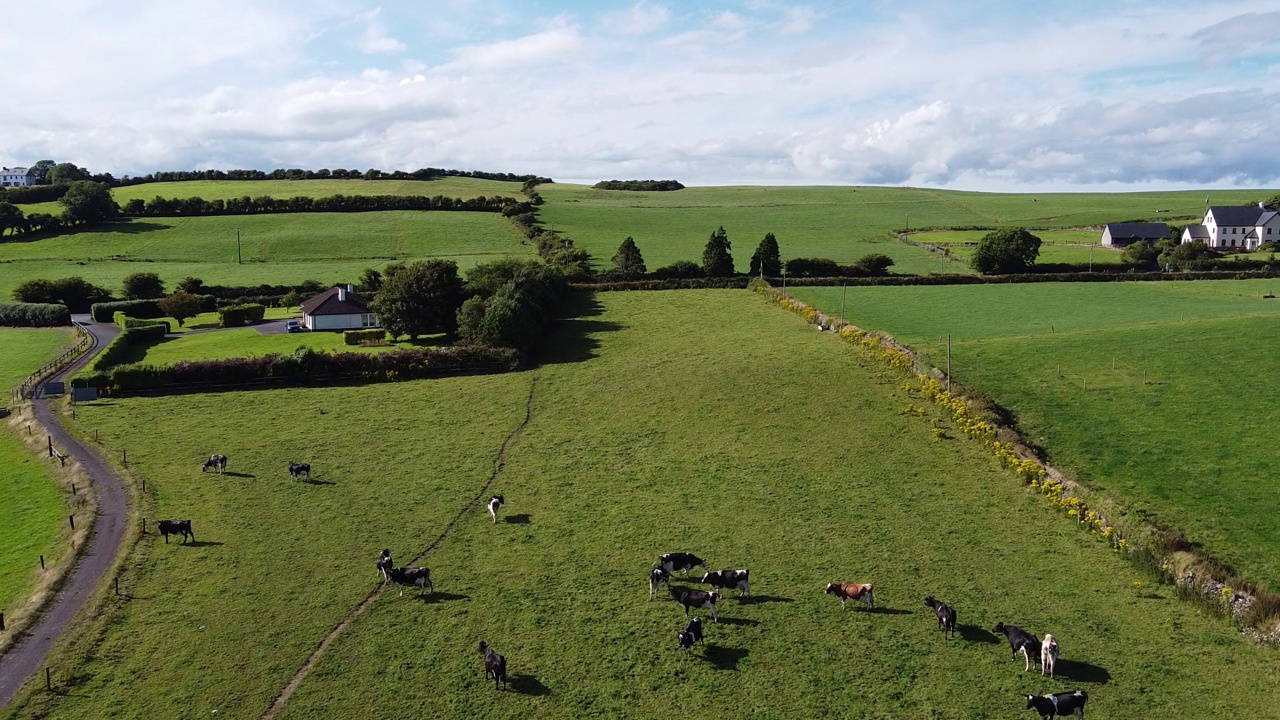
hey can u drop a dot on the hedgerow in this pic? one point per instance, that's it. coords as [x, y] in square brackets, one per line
[21, 314]
[104, 312]
[359, 337]
[118, 349]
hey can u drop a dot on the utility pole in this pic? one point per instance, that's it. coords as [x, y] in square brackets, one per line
[948, 362]
[1090, 258]
[844, 292]
[237, 246]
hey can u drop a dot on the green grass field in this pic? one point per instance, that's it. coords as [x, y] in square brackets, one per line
[752, 440]
[1172, 431]
[1058, 246]
[275, 249]
[454, 187]
[841, 223]
[31, 505]
[247, 342]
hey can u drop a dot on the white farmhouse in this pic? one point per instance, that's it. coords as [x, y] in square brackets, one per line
[16, 177]
[1242, 227]
[338, 308]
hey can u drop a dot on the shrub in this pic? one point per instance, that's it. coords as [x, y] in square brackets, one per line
[74, 292]
[104, 312]
[34, 314]
[812, 267]
[124, 322]
[118, 350]
[679, 269]
[360, 337]
[143, 286]
[240, 315]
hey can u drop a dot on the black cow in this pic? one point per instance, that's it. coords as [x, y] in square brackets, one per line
[412, 577]
[384, 564]
[1020, 641]
[725, 579]
[296, 469]
[696, 599]
[657, 576]
[217, 462]
[495, 503]
[494, 664]
[691, 634]
[177, 527]
[946, 615]
[1063, 703]
[684, 562]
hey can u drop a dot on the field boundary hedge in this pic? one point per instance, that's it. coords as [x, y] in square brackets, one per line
[1163, 552]
[116, 350]
[20, 314]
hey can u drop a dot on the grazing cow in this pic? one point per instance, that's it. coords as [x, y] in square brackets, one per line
[412, 577]
[946, 615]
[217, 462]
[177, 527]
[697, 599]
[495, 504]
[494, 664]
[1048, 654]
[296, 469]
[1063, 703]
[1020, 641]
[684, 562]
[853, 591]
[726, 579]
[384, 564]
[693, 629]
[657, 576]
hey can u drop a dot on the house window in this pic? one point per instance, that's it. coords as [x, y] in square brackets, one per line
[368, 320]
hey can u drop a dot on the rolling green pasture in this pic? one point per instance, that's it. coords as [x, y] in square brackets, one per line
[31, 505]
[454, 187]
[247, 342]
[752, 440]
[275, 249]
[1175, 431]
[841, 223]
[1057, 246]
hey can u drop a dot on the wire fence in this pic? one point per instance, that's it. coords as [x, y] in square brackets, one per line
[28, 388]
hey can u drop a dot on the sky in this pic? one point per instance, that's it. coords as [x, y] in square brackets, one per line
[1017, 95]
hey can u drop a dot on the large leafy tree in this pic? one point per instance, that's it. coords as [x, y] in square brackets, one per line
[766, 260]
[716, 260]
[1186, 256]
[1142, 252]
[65, 173]
[75, 292]
[143, 286]
[1272, 202]
[628, 262]
[420, 298]
[1007, 250]
[40, 171]
[181, 306]
[87, 202]
[11, 217]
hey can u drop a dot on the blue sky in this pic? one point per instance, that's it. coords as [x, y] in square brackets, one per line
[1121, 95]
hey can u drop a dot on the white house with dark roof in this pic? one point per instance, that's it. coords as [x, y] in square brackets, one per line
[338, 308]
[1118, 235]
[16, 177]
[1232, 227]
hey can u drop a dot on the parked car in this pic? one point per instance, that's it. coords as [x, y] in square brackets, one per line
[293, 326]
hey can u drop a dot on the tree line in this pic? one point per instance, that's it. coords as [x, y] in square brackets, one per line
[639, 185]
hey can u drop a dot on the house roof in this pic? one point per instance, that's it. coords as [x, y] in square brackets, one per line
[327, 303]
[1139, 231]
[1236, 214]
[1196, 232]
[16, 171]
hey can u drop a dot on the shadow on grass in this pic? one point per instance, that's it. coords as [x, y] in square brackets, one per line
[891, 611]
[202, 543]
[572, 341]
[239, 475]
[974, 633]
[527, 685]
[1076, 671]
[738, 621]
[439, 597]
[316, 481]
[724, 658]
[522, 519]
[757, 599]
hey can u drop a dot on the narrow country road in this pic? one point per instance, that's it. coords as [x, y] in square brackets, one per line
[25, 659]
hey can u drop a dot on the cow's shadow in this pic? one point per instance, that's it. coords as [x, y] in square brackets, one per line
[521, 519]
[439, 597]
[201, 543]
[527, 685]
[724, 658]
[1084, 672]
[890, 611]
[737, 621]
[240, 475]
[755, 599]
[975, 633]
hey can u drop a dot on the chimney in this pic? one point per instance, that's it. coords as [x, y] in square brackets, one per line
[351, 289]
[342, 293]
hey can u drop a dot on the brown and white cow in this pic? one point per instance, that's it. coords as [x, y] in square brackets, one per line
[862, 592]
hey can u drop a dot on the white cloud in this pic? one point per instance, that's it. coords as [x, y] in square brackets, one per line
[373, 35]
[561, 41]
[797, 20]
[642, 18]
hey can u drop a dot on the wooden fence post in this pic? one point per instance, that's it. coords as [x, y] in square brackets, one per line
[72, 519]
[41, 562]
[1, 621]
[48, 680]
[50, 446]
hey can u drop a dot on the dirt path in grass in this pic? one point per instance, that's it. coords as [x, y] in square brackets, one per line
[498, 464]
[25, 658]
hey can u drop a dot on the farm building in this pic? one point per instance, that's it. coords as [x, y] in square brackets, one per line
[338, 308]
[1120, 235]
[16, 177]
[1243, 226]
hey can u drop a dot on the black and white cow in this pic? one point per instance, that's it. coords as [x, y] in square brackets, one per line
[411, 577]
[384, 564]
[494, 664]
[177, 527]
[1063, 703]
[1020, 641]
[684, 562]
[697, 599]
[296, 469]
[1048, 655]
[657, 577]
[946, 615]
[691, 635]
[216, 462]
[725, 579]
[494, 505]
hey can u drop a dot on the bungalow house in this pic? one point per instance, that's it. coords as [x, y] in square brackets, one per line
[1118, 235]
[1243, 227]
[338, 308]
[16, 177]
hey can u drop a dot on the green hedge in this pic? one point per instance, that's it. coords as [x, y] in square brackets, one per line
[124, 322]
[34, 314]
[240, 315]
[357, 337]
[105, 312]
[117, 351]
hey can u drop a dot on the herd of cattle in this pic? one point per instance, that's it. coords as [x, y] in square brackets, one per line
[1021, 642]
